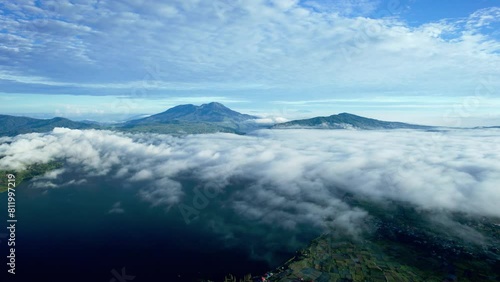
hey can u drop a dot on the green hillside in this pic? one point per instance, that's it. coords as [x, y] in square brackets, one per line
[30, 172]
[13, 125]
[346, 121]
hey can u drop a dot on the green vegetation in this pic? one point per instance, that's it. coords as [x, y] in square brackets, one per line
[179, 128]
[12, 125]
[30, 172]
[179, 120]
[329, 259]
[402, 244]
[404, 247]
[231, 278]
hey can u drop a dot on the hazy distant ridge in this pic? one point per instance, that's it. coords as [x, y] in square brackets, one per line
[347, 121]
[13, 125]
[207, 118]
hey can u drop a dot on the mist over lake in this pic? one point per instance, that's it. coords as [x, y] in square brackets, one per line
[203, 206]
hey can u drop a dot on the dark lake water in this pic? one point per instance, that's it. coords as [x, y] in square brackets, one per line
[68, 234]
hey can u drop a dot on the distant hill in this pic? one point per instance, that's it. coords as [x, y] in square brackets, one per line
[207, 118]
[347, 121]
[14, 125]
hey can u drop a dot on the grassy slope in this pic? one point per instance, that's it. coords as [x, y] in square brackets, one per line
[27, 174]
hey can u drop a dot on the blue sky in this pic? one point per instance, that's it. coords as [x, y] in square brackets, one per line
[433, 62]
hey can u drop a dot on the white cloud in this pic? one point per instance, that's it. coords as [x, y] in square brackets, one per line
[244, 45]
[353, 7]
[54, 174]
[269, 120]
[284, 4]
[116, 208]
[484, 17]
[285, 178]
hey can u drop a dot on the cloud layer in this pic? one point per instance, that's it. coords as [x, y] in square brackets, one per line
[240, 45]
[285, 178]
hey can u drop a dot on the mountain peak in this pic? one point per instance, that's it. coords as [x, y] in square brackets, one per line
[347, 115]
[214, 105]
[182, 107]
[211, 112]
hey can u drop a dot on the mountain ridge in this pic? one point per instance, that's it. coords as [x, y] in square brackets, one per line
[207, 118]
[346, 121]
[14, 125]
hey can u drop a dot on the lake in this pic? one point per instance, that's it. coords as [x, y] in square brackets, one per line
[84, 232]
